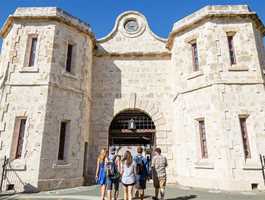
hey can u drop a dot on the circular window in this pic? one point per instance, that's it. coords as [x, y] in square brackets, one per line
[131, 26]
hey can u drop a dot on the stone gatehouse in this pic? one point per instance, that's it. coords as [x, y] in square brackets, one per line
[198, 94]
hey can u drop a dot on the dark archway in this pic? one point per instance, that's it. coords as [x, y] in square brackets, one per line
[132, 127]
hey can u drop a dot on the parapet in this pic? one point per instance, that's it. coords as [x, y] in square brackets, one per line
[214, 11]
[47, 13]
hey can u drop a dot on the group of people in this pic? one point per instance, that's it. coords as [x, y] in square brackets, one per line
[132, 172]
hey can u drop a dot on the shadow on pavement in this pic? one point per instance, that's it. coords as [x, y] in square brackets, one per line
[6, 196]
[145, 196]
[184, 197]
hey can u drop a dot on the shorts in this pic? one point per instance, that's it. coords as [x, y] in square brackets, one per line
[140, 184]
[126, 185]
[159, 182]
[110, 182]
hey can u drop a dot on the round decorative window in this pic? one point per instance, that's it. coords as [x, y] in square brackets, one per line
[131, 26]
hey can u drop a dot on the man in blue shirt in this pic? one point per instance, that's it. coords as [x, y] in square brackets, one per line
[141, 172]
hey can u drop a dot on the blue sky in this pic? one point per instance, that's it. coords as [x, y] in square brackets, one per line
[101, 14]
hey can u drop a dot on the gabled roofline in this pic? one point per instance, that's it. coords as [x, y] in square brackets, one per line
[214, 12]
[116, 26]
[49, 14]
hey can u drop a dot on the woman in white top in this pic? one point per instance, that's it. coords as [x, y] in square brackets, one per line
[128, 175]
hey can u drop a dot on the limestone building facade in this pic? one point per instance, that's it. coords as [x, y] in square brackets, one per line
[198, 94]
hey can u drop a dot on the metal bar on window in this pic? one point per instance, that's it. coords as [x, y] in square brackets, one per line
[32, 54]
[20, 138]
[62, 141]
[231, 49]
[204, 150]
[69, 58]
[195, 56]
[246, 147]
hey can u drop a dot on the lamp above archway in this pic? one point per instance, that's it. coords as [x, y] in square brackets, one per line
[131, 127]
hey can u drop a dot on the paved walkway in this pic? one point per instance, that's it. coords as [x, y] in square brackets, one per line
[172, 193]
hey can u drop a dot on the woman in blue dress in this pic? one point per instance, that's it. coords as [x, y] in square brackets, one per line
[101, 172]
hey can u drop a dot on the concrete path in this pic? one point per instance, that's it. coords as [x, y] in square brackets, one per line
[172, 193]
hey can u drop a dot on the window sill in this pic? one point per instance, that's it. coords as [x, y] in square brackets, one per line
[62, 165]
[237, 68]
[70, 75]
[18, 165]
[204, 164]
[29, 70]
[194, 75]
[251, 165]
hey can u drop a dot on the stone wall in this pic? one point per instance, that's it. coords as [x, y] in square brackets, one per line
[122, 84]
[128, 74]
[219, 93]
[24, 92]
[226, 167]
[68, 99]
[45, 94]
[131, 72]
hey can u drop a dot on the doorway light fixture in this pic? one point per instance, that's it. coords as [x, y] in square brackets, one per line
[131, 124]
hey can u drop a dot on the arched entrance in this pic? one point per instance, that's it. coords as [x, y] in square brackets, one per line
[132, 127]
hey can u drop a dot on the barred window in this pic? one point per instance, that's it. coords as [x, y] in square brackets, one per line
[69, 58]
[131, 127]
[32, 53]
[245, 140]
[230, 39]
[195, 58]
[203, 141]
[142, 121]
[63, 140]
[18, 137]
